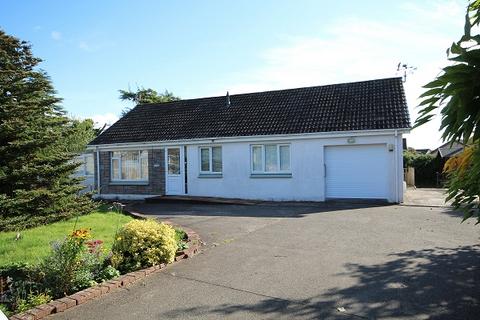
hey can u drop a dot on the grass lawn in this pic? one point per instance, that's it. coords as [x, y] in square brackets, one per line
[35, 243]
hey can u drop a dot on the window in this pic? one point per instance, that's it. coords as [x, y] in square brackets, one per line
[257, 156]
[129, 165]
[271, 158]
[173, 160]
[89, 165]
[86, 167]
[211, 159]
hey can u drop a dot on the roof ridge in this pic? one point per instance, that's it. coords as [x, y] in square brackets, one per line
[270, 91]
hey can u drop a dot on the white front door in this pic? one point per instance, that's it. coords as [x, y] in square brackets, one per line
[357, 171]
[174, 180]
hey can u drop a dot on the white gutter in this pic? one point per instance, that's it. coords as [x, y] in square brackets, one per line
[298, 136]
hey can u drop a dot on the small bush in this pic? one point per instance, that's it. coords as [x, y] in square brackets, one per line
[72, 264]
[416, 160]
[143, 244]
[181, 239]
[426, 167]
[32, 301]
[21, 288]
[19, 284]
[180, 235]
[107, 273]
[5, 310]
[16, 270]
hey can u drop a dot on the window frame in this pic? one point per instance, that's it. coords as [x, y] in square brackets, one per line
[142, 154]
[210, 160]
[85, 165]
[82, 168]
[263, 161]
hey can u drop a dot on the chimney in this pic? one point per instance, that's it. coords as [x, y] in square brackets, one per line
[228, 100]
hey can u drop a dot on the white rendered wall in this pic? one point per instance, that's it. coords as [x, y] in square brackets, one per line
[307, 180]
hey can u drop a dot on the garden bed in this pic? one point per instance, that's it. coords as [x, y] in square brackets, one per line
[81, 297]
[78, 268]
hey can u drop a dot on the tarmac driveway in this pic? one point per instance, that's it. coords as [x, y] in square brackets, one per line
[309, 261]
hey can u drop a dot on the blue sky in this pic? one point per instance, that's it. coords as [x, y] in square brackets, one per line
[91, 49]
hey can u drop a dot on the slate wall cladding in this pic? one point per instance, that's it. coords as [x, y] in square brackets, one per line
[156, 176]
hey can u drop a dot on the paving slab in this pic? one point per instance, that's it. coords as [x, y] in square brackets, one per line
[433, 197]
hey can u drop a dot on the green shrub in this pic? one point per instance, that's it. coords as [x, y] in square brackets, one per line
[142, 244]
[16, 270]
[5, 310]
[181, 239]
[21, 288]
[416, 160]
[72, 264]
[107, 273]
[426, 167]
[32, 301]
[19, 282]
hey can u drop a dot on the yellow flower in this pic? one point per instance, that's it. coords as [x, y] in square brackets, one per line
[81, 233]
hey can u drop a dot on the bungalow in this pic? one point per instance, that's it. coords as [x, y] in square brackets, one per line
[338, 141]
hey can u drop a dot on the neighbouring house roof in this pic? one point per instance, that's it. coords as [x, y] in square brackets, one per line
[448, 149]
[422, 151]
[366, 105]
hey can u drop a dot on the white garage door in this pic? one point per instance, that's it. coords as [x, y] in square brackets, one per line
[360, 171]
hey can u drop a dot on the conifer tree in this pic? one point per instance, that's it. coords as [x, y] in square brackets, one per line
[38, 144]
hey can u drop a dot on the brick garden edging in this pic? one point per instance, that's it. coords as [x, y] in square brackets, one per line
[81, 297]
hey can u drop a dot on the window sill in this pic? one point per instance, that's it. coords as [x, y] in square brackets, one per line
[210, 175]
[270, 175]
[128, 183]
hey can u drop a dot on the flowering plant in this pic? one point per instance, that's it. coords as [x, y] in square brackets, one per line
[81, 234]
[95, 246]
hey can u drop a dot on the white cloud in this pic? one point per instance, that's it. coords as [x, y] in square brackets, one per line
[438, 11]
[354, 49]
[101, 119]
[84, 46]
[94, 45]
[56, 35]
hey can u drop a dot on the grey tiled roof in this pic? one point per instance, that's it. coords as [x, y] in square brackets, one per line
[448, 149]
[366, 105]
